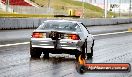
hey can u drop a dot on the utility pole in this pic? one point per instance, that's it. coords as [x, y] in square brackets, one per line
[130, 9]
[7, 5]
[105, 8]
[48, 5]
[119, 8]
[83, 8]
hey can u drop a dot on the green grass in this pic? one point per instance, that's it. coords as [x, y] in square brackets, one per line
[86, 5]
[64, 5]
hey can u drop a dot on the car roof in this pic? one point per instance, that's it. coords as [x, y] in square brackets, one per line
[62, 21]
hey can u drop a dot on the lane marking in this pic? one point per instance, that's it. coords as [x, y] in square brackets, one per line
[7, 45]
[111, 33]
[23, 43]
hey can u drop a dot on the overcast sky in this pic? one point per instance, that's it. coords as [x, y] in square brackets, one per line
[114, 1]
[110, 1]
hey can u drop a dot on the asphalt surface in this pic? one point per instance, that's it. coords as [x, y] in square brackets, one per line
[15, 60]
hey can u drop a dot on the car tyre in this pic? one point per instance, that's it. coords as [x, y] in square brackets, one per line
[35, 53]
[46, 55]
[77, 55]
[81, 69]
[84, 50]
[90, 55]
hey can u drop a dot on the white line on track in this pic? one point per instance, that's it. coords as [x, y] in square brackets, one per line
[111, 33]
[23, 43]
[7, 45]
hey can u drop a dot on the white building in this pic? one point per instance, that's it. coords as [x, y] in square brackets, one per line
[115, 7]
[122, 6]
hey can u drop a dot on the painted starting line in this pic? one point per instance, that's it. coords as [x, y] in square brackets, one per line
[23, 43]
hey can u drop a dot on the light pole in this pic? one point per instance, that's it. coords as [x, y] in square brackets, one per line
[119, 8]
[130, 9]
[7, 5]
[83, 8]
[48, 5]
[105, 8]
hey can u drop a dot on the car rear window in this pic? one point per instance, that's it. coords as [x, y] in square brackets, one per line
[59, 26]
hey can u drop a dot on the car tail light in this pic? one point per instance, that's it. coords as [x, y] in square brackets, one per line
[71, 36]
[39, 35]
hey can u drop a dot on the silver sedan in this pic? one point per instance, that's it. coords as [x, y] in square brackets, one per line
[61, 36]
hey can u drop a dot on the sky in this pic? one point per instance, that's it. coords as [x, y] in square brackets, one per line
[110, 1]
[114, 1]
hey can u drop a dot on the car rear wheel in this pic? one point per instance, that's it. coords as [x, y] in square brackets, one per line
[80, 69]
[84, 50]
[46, 55]
[90, 55]
[77, 55]
[35, 53]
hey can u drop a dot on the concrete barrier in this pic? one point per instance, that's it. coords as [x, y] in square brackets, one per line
[21, 23]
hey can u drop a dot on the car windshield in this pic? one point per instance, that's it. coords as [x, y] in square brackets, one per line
[59, 26]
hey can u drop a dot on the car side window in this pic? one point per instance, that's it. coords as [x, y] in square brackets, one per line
[85, 27]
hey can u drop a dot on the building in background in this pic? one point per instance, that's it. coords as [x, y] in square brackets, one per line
[122, 6]
[115, 7]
